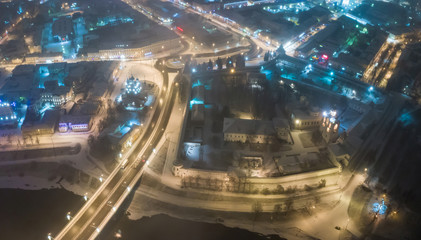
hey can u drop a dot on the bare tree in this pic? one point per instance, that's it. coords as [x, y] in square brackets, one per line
[289, 204]
[277, 210]
[256, 209]
[197, 181]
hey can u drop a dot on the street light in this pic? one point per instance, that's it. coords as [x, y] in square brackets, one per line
[49, 237]
[68, 216]
[100, 178]
[85, 197]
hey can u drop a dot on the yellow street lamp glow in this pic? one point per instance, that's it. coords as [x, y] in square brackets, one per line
[297, 121]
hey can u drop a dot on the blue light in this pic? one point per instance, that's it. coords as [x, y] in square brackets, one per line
[195, 101]
[379, 208]
[406, 119]
[331, 73]
[193, 70]
[134, 122]
[196, 84]
[371, 88]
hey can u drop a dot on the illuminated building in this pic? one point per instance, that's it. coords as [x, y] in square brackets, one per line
[58, 96]
[51, 75]
[133, 99]
[55, 95]
[133, 86]
[79, 118]
[161, 10]
[198, 96]
[305, 119]
[7, 116]
[240, 4]
[75, 123]
[330, 126]
[112, 20]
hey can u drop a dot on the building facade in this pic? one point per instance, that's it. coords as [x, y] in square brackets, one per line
[168, 46]
[301, 119]
[251, 131]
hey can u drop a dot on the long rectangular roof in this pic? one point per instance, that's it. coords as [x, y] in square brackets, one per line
[246, 126]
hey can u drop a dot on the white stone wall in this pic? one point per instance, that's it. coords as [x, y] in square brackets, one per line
[241, 137]
[169, 46]
[179, 171]
[297, 181]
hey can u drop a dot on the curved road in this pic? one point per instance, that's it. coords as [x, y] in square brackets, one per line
[86, 222]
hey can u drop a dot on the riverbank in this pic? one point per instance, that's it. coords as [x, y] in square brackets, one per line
[164, 227]
[32, 214]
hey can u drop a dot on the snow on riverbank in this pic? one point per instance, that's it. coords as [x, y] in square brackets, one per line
[38, 183]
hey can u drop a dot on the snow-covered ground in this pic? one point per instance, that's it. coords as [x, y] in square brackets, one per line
[82, 161]
[321, 223]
